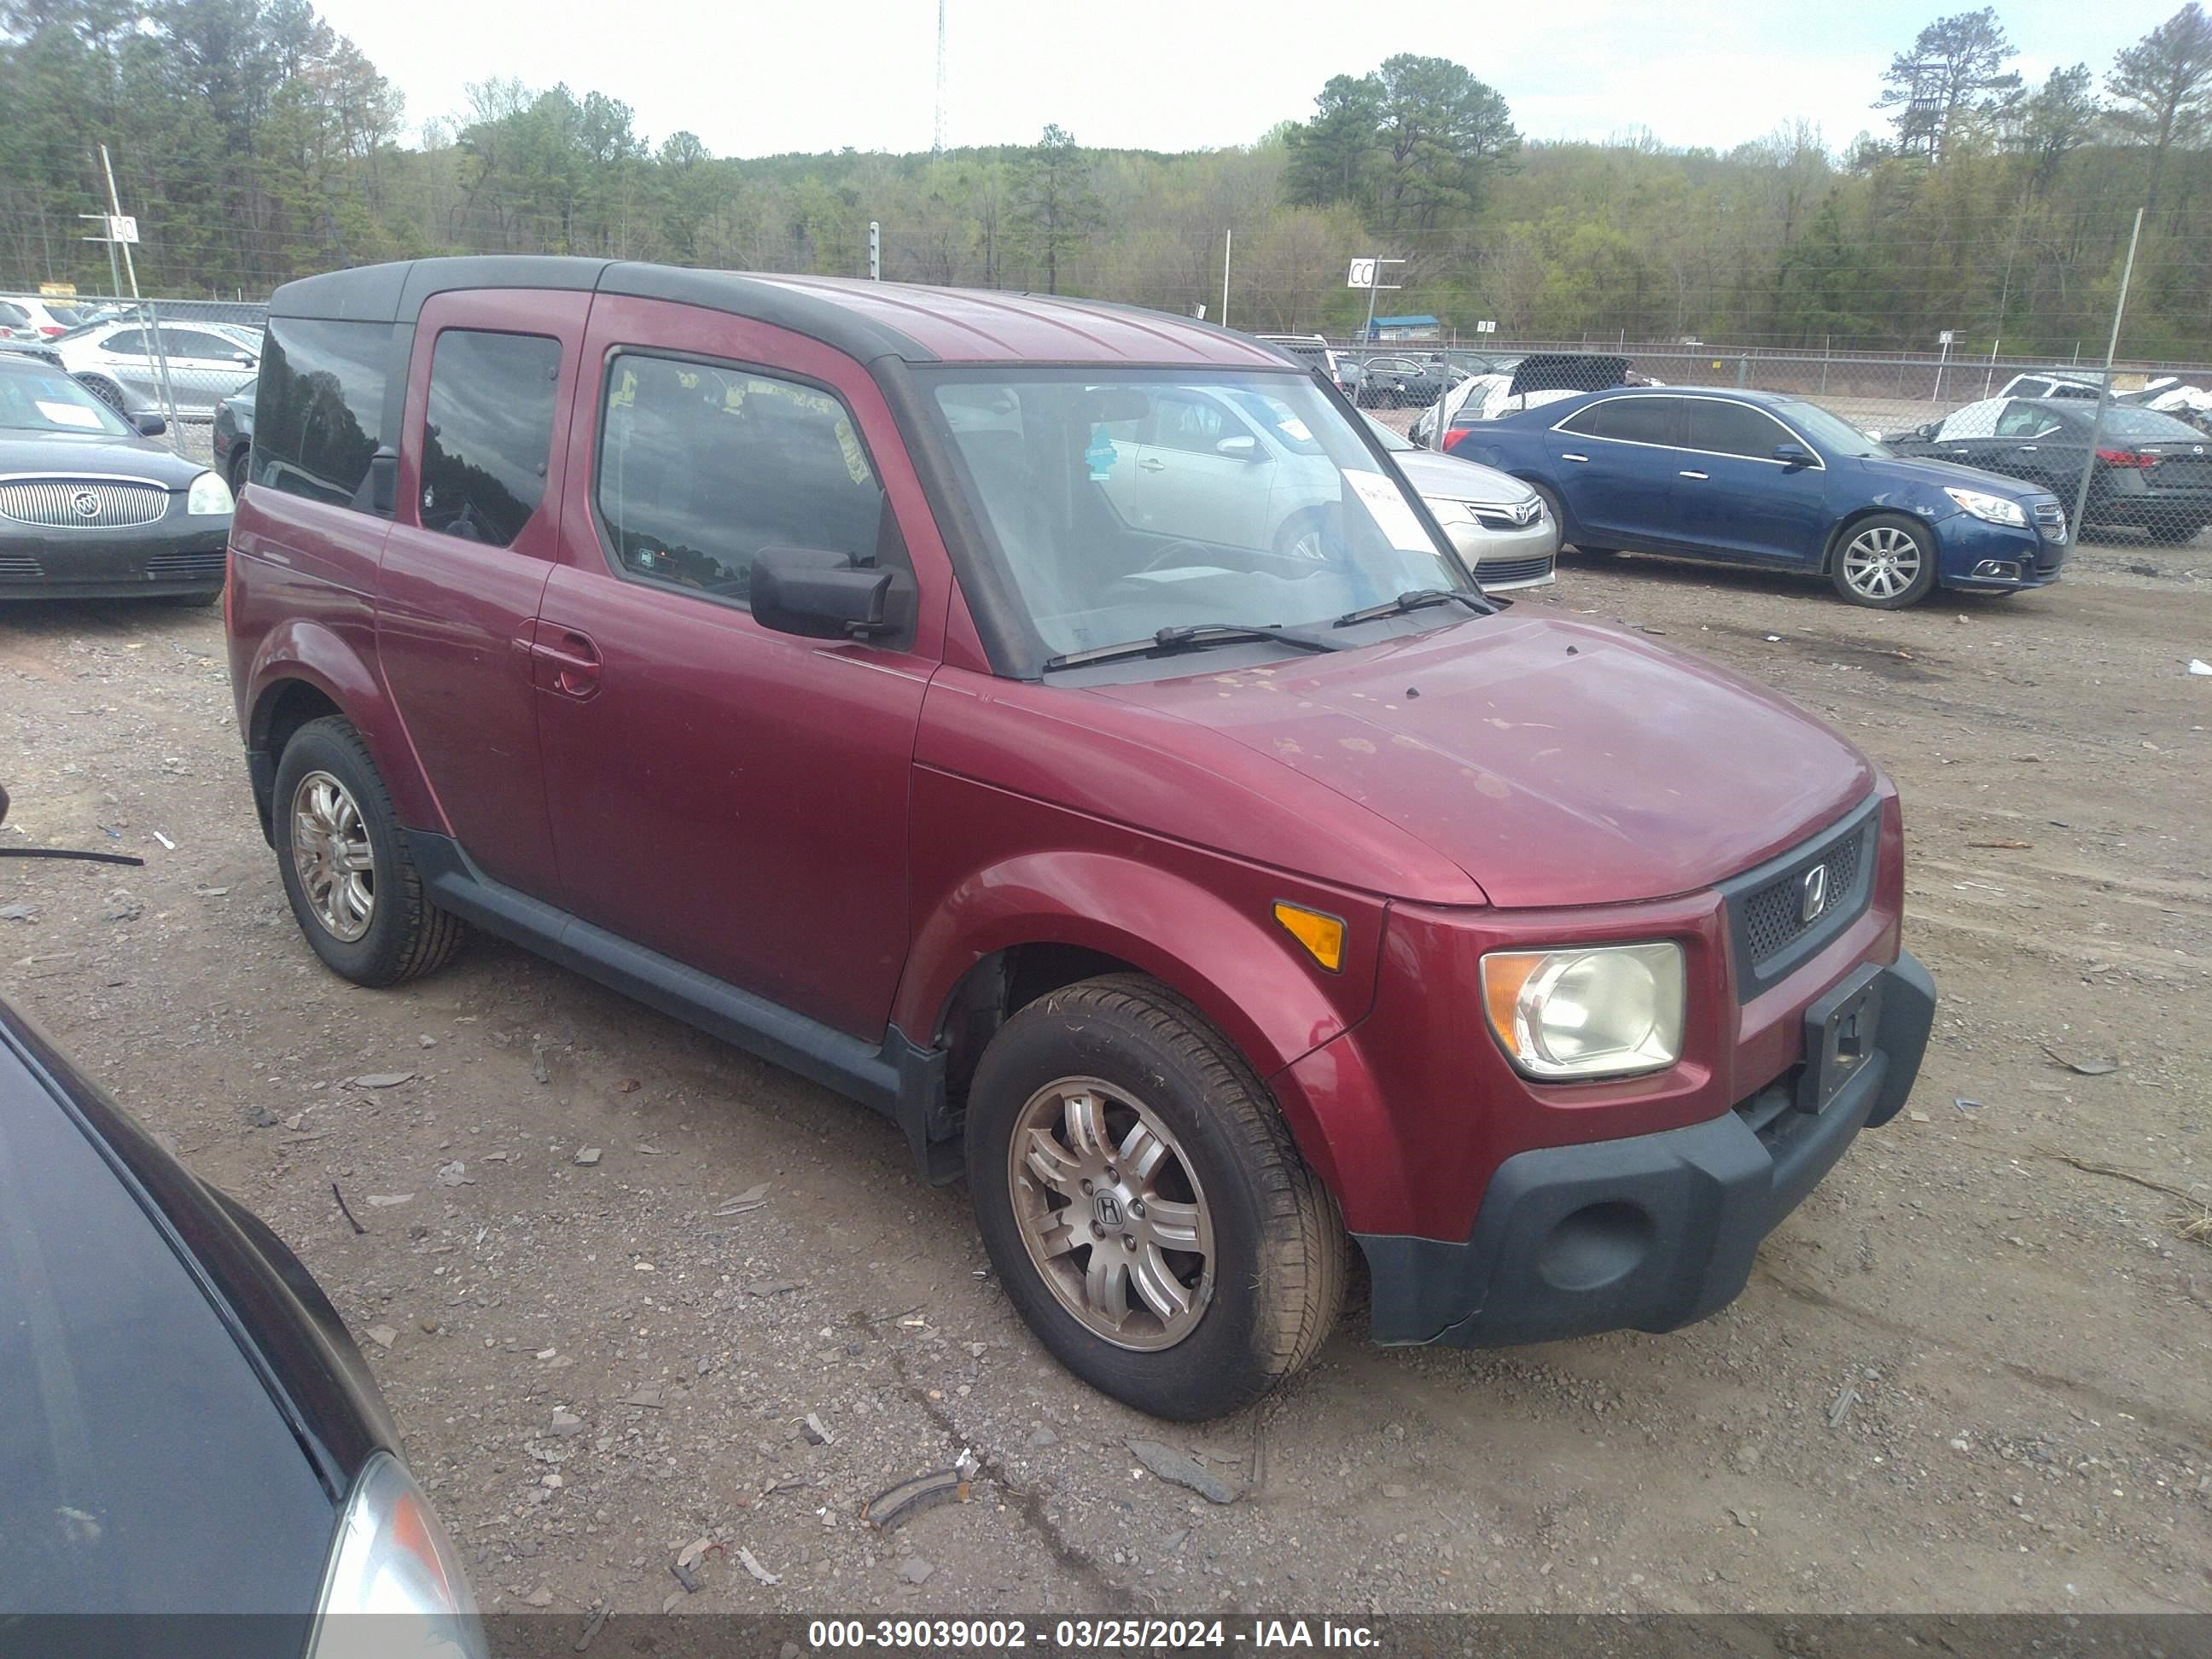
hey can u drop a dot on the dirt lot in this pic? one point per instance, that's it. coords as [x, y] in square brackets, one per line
[1967, 1374]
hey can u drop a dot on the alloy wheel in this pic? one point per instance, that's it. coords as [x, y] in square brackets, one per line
[332, 857]
[1882, 562]
[1111, 1214]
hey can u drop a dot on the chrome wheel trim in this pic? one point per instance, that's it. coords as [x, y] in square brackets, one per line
[332, 857]
[1882, 562]
[1111, 1214]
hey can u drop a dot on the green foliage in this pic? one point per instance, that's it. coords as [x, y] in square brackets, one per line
[256, 145]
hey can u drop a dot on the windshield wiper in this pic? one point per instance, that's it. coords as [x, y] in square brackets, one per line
[1414, 601]
[1189, 637]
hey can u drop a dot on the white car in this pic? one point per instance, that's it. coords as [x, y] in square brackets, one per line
[116, 361]
[1496, 523]
[32, 317]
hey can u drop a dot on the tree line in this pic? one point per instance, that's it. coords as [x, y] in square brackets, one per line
[256, 145]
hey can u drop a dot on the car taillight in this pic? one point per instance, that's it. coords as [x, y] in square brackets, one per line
[52, 329]
[2126, 457]
[1453, 436]
[395, 1583]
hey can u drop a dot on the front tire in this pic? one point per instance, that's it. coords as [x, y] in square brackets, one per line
[1142, 1204]
[346, 865]
[1885, 562]
[240, 460]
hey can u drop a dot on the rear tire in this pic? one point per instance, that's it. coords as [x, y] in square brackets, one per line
[1109, 1127]
[241, 459]
[1884, 561]
[346, 864]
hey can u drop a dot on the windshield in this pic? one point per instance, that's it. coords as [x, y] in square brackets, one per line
[1831, 432]
[1128, 502]
[39, 400]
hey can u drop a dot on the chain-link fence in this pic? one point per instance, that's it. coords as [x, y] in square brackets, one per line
[175, 359]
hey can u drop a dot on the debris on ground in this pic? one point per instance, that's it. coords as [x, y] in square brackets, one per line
[767, 1287]
[896, 1505]
[565, 1423]
[1182, 1469]
[2089, 1067]
[590, 1628]
[586, 1156]
[751, 1564]
[2002, 846]
[2198, 666]
[383, 1335]
[915, 1570]
[455, 1174]
[686, 1576]
[1841, 1409]
[1965, 1106]
[647, 1394]
[389, 1200]
[17, 912]
[815, 1434]
[538, 1060]
[380, 1080]
[1040, 1436]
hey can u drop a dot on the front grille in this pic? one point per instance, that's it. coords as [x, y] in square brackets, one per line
[1770, 931]
[1774, 915]
[89, 504]
[187, 567]
[1490, 572]
[20, 564]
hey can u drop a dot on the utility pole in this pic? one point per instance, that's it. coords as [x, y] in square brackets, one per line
[121, 232]
[1228, 242]
[1374, 281]
[2105, 393]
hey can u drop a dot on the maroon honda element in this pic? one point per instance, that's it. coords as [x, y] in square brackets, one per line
[1060, 727]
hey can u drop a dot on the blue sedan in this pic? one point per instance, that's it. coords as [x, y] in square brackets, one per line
[1757, 478]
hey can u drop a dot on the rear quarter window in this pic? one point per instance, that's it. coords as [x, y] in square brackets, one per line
[318, 413]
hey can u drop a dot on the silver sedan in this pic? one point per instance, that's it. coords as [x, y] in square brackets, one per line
[1498, 524]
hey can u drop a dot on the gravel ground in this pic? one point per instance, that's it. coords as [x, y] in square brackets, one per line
[1967, 1374]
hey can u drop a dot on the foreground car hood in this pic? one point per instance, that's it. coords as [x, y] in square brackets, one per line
[1555, 763]
[95, 455]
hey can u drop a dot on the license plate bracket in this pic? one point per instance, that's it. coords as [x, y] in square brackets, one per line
[1841, 1030]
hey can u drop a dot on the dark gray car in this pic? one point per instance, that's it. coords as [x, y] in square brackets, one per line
[90, 508]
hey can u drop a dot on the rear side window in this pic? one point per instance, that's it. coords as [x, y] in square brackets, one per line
[126, 342]
[318, 413]
[488, 433]
[1722, 428]
[1630, 420]
[701, 465]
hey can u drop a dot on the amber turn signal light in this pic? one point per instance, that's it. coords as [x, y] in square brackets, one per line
[1322, 934]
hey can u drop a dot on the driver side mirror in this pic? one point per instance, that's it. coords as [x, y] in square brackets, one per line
[1244, 447]
[1793, 456]
[821, 595]
[149, 424]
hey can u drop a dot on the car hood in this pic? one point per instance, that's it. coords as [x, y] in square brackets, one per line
[1448, 478]
[1555, 763]
[1913, 469]
[95, 454]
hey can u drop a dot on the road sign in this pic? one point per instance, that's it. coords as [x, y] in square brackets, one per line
[1363, 274]
[123, 226]
[1487, 326]
[58, 291]
[1948, 337]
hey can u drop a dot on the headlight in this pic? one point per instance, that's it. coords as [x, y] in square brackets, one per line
[1607, 1011]
[1450, 511]
[208, 496]
[1994, 509]
[393, 1559]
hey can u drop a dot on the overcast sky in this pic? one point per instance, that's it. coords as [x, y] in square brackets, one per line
[752, 79]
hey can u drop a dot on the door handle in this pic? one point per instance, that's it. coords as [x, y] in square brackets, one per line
[2027, 449]
[565, 661]
[1574, 457]
[1686, 473]
[1152, 464]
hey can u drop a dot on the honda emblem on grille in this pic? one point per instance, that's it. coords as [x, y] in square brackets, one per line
[1814, 899]
[86, 503]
